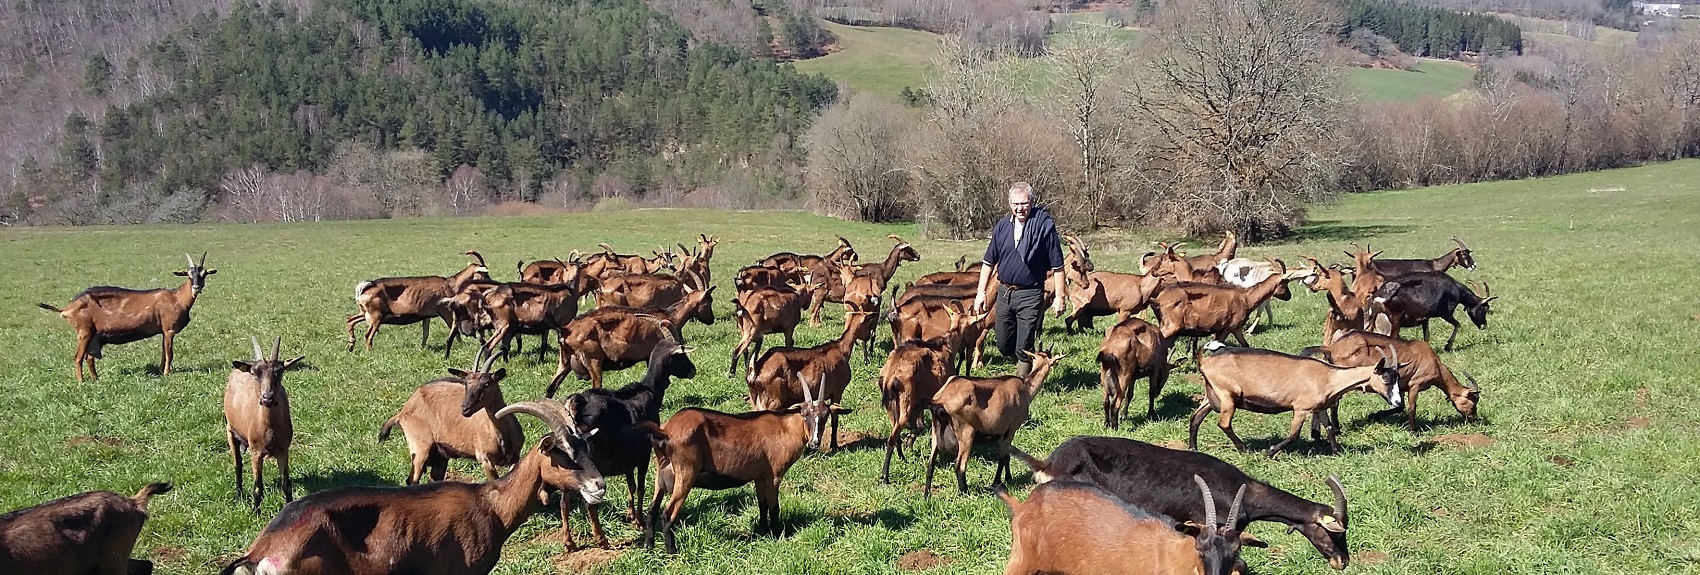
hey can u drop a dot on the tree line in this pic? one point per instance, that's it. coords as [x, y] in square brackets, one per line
[1431, 31]
[532, 95]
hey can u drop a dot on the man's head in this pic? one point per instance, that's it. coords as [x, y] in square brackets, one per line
[1021, 200]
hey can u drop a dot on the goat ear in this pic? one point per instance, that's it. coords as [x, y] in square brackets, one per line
[210, 272]
[1189, 528]
[180, 273]
[1250, 540]
[457, 373]
[841, 409]
[499, 375]
[242, 365]
[291, 363]
[793, 408]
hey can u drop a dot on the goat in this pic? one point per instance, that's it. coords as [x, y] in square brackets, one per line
[956, 278]
[1171, 263]
[1421, 370]
[1081, 529]
[1105, 293]
[769, 377]
[1434, 295]
[832, 281]
[994, 406]
[963, 292]
[1459, 256]
[862, 294]
[757, 276]
[1132, 349]
[1244, 273]
[510, 310]
[89, 533]
[648, 290]
[1264, 381]
[408, 300]
[913, 372]
[622, 446]
[696, 261]
[764, 310]
[1224, 252]
[1199, 310]
[928, 317]
[107, 315]
[256, 417]
[612, 338]
[1345, 308]
[443, 528]
[454, 418]
[702, 448]
[789, 261]
[1155, 478]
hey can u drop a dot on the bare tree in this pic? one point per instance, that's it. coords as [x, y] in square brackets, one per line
[466, 190]
[855, 168]
[971, 91]
[245, 193]
[1087, 75]
[1246, 110]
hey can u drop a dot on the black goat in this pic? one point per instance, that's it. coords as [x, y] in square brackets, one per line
[622, 447]
[1417, 297]
[1159, 480]
[1457, 257]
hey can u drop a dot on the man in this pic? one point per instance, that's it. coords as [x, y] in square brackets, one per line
[1024, 249]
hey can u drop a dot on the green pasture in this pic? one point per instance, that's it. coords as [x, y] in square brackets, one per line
[876, 59]
[1431, 79]
[1585, 462]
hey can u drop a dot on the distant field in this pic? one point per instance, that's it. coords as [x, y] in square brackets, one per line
[1541, 31]
[876, 60]
[1584, 463]
[1433, 78]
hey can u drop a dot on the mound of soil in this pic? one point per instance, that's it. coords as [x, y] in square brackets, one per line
[922, 560]
[1465, 440]
[587, 559]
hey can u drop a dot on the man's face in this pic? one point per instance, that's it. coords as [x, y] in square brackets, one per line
[1020, 204]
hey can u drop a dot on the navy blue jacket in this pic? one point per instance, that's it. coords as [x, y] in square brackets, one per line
[1040, 251]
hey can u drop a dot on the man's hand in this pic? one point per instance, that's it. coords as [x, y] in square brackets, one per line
[979, 303]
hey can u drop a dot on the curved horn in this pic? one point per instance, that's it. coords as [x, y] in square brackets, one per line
[478, 358]
[1487, 292]
[258, 355]
[1339, 499]
[551, 412]
[894, 237]
[1234, 510]
[277, 345]
[475, 254]
[489, 361]
[1460, 243]
[823, 385]
[696, 277]
[801, 381]
[1209, 501]
[190, 258]
[1473, 385]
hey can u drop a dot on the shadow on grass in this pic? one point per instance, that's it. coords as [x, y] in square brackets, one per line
[1334, 231]
[316, 482]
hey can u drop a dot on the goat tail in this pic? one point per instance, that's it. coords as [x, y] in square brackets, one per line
[657, 438]
[49, 307]
[384, 432]
[1041, 468]
[360, 288]
[148, 491]
[1318, 352]
[1009, 501]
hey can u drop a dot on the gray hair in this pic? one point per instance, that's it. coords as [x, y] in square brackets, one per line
[1025, 188]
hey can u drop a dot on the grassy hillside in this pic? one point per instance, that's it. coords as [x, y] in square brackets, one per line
[1432, 78]
[1583, 463]
[876, 60]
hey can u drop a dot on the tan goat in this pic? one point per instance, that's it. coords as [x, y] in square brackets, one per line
[995, 406]
[256, 418]
[763, 310]
[913, 372]
[1421, 369]
[1132, 349]
[771, 378]
[89, 533]
[611, 338]
[1081, 529]
[106, 315]
[455, 418]
[408, 300]
[1264, 381]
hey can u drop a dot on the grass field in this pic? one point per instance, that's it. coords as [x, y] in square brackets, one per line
[1584, 463]
[1432, 79]
[876, 60]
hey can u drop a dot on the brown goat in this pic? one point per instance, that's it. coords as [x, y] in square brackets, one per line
[1224, 252]
[442, 528]
[1264, 381]
[769, 378]
[454, 418]
[764, 310]
[89, 533]
[832, 281]
[701, 448]
[612, 338]
[1081, 529]
[756, 276]
[256, 417]
[913, 372]
[802, 263]
[1200, 310]
[647, 290]
[1132, 349]
[927, 317]
[1421, 369]
[995, 406]
[107, 315]
[408, 300]
[1100, 293]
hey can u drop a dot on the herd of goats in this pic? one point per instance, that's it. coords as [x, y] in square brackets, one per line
[1103, 504]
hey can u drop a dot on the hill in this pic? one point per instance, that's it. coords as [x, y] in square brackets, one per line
[1587, 440]
[1432, 78]
[875, 60]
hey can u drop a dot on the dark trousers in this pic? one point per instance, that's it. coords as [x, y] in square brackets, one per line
[1020, 312]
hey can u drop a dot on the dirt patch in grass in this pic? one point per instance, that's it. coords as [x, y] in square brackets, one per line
[1464, 440]
[587, 560]
[1075, 407]
[84, 440]
[1561, 461]
[1173, 443]
[1695, 317]
[1639, 423]
[922, 560]
[848, 438]
[168, 554]
[1368, 557]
